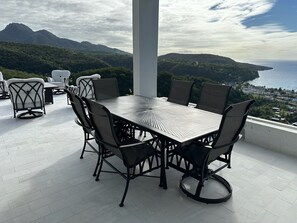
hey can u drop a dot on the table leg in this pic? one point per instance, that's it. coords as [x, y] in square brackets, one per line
[163, 180]
[49, 95]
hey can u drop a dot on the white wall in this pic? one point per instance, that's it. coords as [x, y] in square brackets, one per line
[271, 135]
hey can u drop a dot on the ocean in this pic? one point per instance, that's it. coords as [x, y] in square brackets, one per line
[283, 75]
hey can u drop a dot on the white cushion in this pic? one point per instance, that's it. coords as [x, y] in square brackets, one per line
[85, 85]
[23, 95]
[60, 75]
[93, 77]
[13, 80]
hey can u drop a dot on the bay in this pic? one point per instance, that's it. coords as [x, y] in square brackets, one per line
[283, 75]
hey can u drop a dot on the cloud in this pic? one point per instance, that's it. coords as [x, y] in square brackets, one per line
[217, 27]
[189, 26]
[97, 21]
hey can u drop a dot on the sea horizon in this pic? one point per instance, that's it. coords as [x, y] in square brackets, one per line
[283, 75]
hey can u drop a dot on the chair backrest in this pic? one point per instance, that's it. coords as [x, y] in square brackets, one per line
[78, 108]
[233, 121]
[26, 93]
[106, 88]
[103, 125]
[61, 76]
[213, 97]
[2, 87]
[85, 85]
[180, 92]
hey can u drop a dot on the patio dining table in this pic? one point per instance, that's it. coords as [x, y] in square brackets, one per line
[167, 120]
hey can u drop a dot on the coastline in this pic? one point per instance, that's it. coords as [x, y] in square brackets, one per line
[283, 75]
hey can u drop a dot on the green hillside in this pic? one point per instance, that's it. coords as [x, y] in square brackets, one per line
[219, 73]
[43, 59]
[40, 59]
[9, 73]
[209, 59]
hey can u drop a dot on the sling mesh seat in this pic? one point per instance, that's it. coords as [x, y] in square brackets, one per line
[138, 157]
[106, 88]
[213, 97]
[180, 92]
[194, 159]
[27, 95]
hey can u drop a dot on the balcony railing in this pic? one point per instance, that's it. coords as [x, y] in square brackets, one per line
[271, 135]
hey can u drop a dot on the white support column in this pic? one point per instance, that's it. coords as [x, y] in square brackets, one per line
[145, 47]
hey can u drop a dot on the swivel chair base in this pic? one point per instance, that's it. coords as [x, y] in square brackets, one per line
[197, 194]
[58, 92]
[4, 96]
[30, 114]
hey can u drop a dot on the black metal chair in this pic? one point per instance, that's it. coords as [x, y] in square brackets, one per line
[139, 157]
[82, 120]
[3, 90]
[106, 88]
[194, 159]
[27, 95]
[180, 92]
[213, 97]
[85, 85]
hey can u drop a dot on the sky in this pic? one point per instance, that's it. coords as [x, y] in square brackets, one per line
[245, 30]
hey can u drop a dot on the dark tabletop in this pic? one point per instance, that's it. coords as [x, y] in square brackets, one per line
[174, 121]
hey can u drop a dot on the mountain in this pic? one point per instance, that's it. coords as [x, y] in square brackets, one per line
[217, 68]
[20, 33]
[210, 59]
[40, 59]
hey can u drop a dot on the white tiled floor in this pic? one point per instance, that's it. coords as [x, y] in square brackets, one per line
[43, 180]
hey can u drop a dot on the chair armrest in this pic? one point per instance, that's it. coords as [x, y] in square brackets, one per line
[137, 143]
[78, 122]
[72, 89]
[228, 144]
[132, 145]
[49, 79]
[197, 145]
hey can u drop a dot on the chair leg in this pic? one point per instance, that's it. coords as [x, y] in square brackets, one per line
[199, 188]
[126, 188]
[229, 164]
[29, 114]
[97, 165]
[142, 132]
[101, 163]
[84, 147]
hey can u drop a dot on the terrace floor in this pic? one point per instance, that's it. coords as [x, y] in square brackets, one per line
[43, 180]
